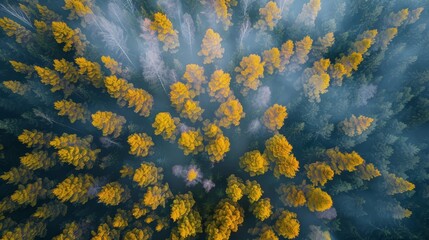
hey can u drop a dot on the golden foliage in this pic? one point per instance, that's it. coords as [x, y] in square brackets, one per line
[398, 18]
[317, 200]
[192, 111]
[108, 122]
[29, 193]
[194, 76]
[325, 42]
[69, 140]
[316, 80]
[251, 69]
[270, 15]
[230, 113]
[189, 225]
[302, 48]
[235, 189]
[395, 185]
[111, 194]
[20, 67]
[227, 217]
[166, 33]
[71, 38]
[12, 28]
[272, 60]
[74, 111]
[267, 233]
[287, 225]
[343, 161]
[17, 175]
[368, 171]
[157, 195]
[278, 150]
[34, 138]
[28, 230]
[69, 71]
[71, 231]
[253, 191]
[117, 88]
[211, 130]
[191, 142]
[319, 173]
[217, 148]
[179, 94]
[50, 210]
[355, 126]
[181, 206]
[254, 163]
[91, 71]
[285, 54]
[262, 209]
[74, 189]
[111, 64]
[211, 46]
[147, 174]
[36, 160]
[138, 234]
[104, 232]
[46, 14]
[141, 100]
[386, 36]
[219, 86]
[140, 144]
[50, 77]
[349, 63]
[274, 117]
[16, 87]
[291, 195]
[165, 125]
[78, 8]
[221, 9]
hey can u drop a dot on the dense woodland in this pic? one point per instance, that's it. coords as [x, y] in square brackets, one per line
[214, 119]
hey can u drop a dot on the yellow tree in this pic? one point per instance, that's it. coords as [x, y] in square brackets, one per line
[189, 225]
[108, 122]
[181, 206]
[17, 175]
[355, 126]
[221, 9]
[230, 113]
[13, 29]
[78, 8]
[274, 117]
[211, 46]
[157, 196]
[117, 88]
[74, 111]
[323, 44]
[217, 148]
[262, 209]
[316, 80]
[91, 71]
[254, 163]
[272, 59]
[23, 68]
[104, 232]
[291, 195]
[50, 77]
[319, 173]
[111, 64]
[16, 87]
[386, 36]
[36, 160]
[34, 138]
[270, 15]
[69, 71]
[227, 216]
[251, 69]
[140, 144]
[219, 85]
[141, 100]
[253, 191]
[112, 194]
[192, 111]
[286, 54]
[235, 189]
[50, 210]
[287, 225]
[179, 94]
[165, 125]
[395, 185]
[137, 233]
[191, 142]
[71, 38]
[78, 156]
[340, 162]
[398, 18]
[74, 189]
[302, 48]
[278, 150]
[29, 194]
[194, 76]
[166, 33]
[147, 174]
[365, 41]
[317, 200]
[368, 171]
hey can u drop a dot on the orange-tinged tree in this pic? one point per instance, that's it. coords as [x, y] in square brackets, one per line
[74, 111]
[191, 142]
[272, 59]
[278, 150]
[355, 126]
[181, 206]
[253, 191]
[251, 69]
[138, 234]
[91, 71]
[36, 160]
[14, 29]
[147, 174]
[230, 113]
[192, 111]
[117, 88]
[166, 33]
[29, 194]
[22, 68]
[50, 77]
[262, 209]
[368, 171]
[112, 194]
[78, 8]
[317, 200]
[287, 225]
[111, 64]
[340, 162]
[227, 216]
[108, 122]
[34, 138]
[189, 225]
[70, 140]
[71, 38]
[365, 41]
[74, 189]
[141, 100]
[68, 69]
[221, 9]
[286, 54]
[235, 189]
[104, 232]
[395, 185]
[179, 93]
[211, 130]
[267, 233]
[254, 163]
[165, 125]
[217, 148]
[291, 195]
[140, 144]
[78, 156]
[219, 85]
[157, 196]
[316, 80]
[194, 76]
[349, 63]
[274, 117]
[211, 46]
[16, 87]
[319, 173]
[270, 15]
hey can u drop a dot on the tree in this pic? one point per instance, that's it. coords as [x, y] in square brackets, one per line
[36, 160]
[181, 206]
[23, 68]
[91, 71]
[287, 225]
[141, 100]
[165, 125]
[368, 171]
[157, 196]
[253, 191]
[323, 44]
[230, 113]
[254, 163]
[217, 148]
[28, 230]
[274, 117]
[340, 162]
[189, 225]
[29, 194]
[50, 77]
[385, 37]
[140, 144]
[74, 111]
[270, 15]
[166, 33]
[51, 210]
[194, 75]
[285, 54]
[111, 64]
[11, 28]
[227, 216]
[211, 46]
[222, 13]
[219, 85]
[108, 122]
[71, 38]
[78, 156]
[17, 175]
[147, 174]
[291, 195]
[78, 8]
[278, 150]
[398, 18]
[188, 30]
[179, 94]
[34, 138]
[309, 12]
[250, 70]
[16, 87]
[272, 60]
[104, 232]
[262, 209]
[317, 200]
[137, 233]
[191, 142]
[319, 173]
[192, 111]
[69, 71]
[395, 185]
[235, 189]
[365, 41]
[117, 88]
[302, 48]
[355, 126]
[74, 189]
[112, 194]
[316, 80]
